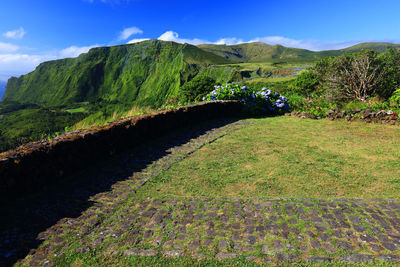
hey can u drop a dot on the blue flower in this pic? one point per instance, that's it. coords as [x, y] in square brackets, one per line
[280, 105]
[271, 108]
[253, 96]
[269, 92]
[243, 100]
[244, 88]
[283, 99]
[276, 94]
[204, 98]
[264, 89]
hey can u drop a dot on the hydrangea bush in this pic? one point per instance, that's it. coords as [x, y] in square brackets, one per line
[257, 102]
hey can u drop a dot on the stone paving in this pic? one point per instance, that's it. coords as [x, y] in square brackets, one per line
[261, 230]
[352, 231]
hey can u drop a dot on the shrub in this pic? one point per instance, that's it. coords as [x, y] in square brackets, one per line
[395, 98]
[306, 83]
[256, 102]
[197, 88]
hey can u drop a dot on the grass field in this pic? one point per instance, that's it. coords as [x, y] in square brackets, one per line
[286, 157]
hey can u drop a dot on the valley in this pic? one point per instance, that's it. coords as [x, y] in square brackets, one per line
[108, 83]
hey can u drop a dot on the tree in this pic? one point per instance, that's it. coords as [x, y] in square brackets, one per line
[354, 76]
[197, 88]
[391, 68]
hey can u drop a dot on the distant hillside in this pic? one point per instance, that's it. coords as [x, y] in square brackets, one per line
[2, 89]
[261, 52]
[143, 73]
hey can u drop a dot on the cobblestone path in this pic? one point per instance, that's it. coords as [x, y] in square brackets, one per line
[117, 222]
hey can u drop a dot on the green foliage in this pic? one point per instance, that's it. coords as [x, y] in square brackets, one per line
[197, 88]
[306, 83]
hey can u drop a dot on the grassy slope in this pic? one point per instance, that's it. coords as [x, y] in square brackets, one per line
[289, 157]
[145, 73]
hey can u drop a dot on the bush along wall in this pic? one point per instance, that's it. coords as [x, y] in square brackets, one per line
[19, 171]
[366, 115]
[263, 102]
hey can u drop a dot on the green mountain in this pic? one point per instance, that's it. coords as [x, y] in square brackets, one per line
[262, 52]
[377, 46]
[145, 73]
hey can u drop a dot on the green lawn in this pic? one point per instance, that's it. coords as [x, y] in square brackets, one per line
[286, 157]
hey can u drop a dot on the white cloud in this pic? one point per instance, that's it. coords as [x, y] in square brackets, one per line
[18, 64]
[229, 41]
[309, 44]
[17, 34]
[174, 37]
[128, 32]
[74, 51]
[137, 40]
[8, 48]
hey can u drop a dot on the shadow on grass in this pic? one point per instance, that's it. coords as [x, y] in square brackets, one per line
[25, 217]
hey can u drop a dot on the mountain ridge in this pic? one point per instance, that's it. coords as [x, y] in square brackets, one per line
[260, 52]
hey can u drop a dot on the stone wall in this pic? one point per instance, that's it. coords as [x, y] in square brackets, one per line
[367, 115]
[36, 163]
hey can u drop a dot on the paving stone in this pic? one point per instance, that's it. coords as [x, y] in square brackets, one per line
[223, 245]
[356, 258]
[324, 237]
[236, 236]
[278, 245]
[140, 252]
[193, 245]
[211, 233]
[344, 245]
[237, 246]
[236, 226]
[148, 234]
[383, 238]
[250, 240]
[207, 242]
[198, 217]
[223, 256]
[375, 248]
[359, 228]
[337, 233]
[198, 256]
[389, 246]
[249, 229]
[173, 253]
[265, 249]
[315, 244]
[368, 238]
[389, 257]
[328, 247]
[319, 259]
[286, 257]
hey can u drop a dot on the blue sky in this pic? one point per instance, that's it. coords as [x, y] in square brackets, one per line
[35, 31]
